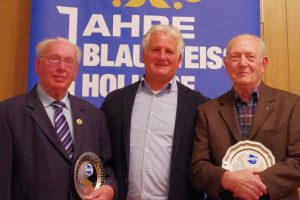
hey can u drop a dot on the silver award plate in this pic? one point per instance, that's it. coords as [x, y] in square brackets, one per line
[247, 154]
[88, 174]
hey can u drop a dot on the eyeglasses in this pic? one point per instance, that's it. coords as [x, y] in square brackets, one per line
[56, 60]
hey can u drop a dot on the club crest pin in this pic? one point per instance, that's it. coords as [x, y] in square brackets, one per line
[79, 121]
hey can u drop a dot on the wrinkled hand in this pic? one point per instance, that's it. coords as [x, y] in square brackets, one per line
[105, 192]
[245, 184]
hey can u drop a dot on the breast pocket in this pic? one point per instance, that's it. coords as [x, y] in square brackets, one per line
[276, 140]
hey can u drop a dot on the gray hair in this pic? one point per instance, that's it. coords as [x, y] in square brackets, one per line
[42, 45]
[261, 44]
[167, 29]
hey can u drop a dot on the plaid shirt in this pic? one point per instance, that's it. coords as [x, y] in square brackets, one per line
[246, 111]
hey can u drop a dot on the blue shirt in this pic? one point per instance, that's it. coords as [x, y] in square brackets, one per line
[151, 142]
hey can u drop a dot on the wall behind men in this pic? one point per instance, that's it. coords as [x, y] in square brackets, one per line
[279, 28]
[14, 46]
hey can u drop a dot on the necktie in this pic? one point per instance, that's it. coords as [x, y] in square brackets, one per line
[62, 127]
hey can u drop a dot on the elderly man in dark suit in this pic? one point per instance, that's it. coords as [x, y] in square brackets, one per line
[43, 132]
[151, 123]
[251, 111]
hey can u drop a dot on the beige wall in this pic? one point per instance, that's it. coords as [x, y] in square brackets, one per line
[14, 40]
[279, 28]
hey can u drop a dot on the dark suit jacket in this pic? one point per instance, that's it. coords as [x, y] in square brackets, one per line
[276, 124]
[118, 109]
[33, 162]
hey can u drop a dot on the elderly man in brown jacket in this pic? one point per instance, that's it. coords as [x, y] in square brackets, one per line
[251, 111]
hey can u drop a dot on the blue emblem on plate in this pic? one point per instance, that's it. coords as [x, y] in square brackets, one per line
[89, 170]
[252, 159]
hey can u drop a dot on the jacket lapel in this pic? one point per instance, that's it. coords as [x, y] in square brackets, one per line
[79, 119]
[183, 107]
[42, 120]
[127, 105]
[263, 109]
[228, 113]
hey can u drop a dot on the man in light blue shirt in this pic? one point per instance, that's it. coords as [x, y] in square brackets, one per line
[151, 141]
[152, 122]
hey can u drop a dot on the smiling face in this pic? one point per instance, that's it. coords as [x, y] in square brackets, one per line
[161, 60]
[245, 62]
[55, 79]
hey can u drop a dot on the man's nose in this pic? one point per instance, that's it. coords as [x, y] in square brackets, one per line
[243, 60]
[162, 54]
[62, 64]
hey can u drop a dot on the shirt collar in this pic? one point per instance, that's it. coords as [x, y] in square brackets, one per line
[255, 94]
[170, 87]
[48, 100]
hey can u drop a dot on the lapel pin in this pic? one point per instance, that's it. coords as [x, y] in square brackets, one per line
[267, 107]
[79, 121]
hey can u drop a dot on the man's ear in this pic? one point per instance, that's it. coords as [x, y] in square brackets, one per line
[75, 72]
[265, 63]
[179, 59]
[37, 65]
[143, 56]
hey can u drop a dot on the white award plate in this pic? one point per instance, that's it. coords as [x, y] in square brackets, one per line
[247, 154]
[88, 174]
